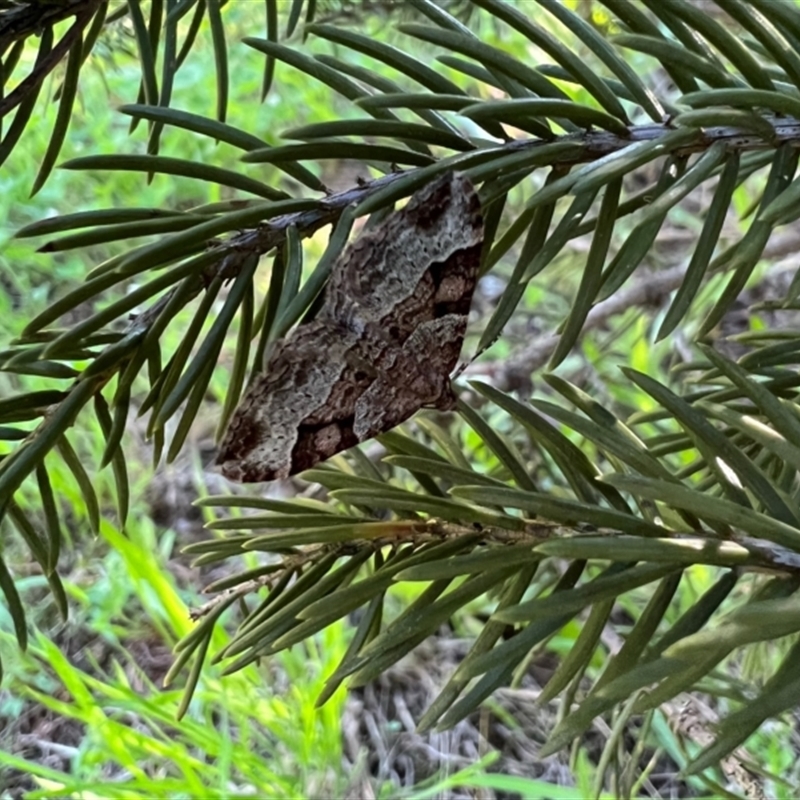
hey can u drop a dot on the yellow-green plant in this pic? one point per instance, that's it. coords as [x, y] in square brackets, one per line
[597, 120]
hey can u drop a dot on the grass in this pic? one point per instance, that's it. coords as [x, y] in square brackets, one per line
[96, 679]
[240, 737]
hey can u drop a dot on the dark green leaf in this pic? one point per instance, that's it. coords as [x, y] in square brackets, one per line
[52, 525]
[28, 103]
[22, 462]
[219, 131]
[591, 279]
[597, 590]
[323, 149]
[672, 54]
[118, 465]
[556, 509]
[718, 449]
[711, 508]
[499, 445]
[208, 351]
[15, 608]
[704, 247]
[146, 54]
[175, 166]
[363, 128]
[220, 56]
[489, 56]
[73, 462]
[69, 89]
[593, 39]
[513, 110]
[272, 36]
[299, 302]
[389, 55]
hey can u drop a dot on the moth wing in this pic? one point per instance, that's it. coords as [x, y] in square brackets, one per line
[294, 388]
[411, 379]
[397, 270]
[383, 346]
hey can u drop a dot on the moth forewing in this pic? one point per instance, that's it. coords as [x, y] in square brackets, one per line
[383, 345]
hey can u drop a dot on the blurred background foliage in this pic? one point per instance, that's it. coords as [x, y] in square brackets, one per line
[659, 501]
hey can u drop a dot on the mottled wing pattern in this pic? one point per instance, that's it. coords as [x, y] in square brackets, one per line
[401, 269]
[383, 345]
[296, 385]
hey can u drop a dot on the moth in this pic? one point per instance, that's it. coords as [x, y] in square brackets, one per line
[382, 346]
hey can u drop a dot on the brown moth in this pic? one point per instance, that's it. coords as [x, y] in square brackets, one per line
[382, 347]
